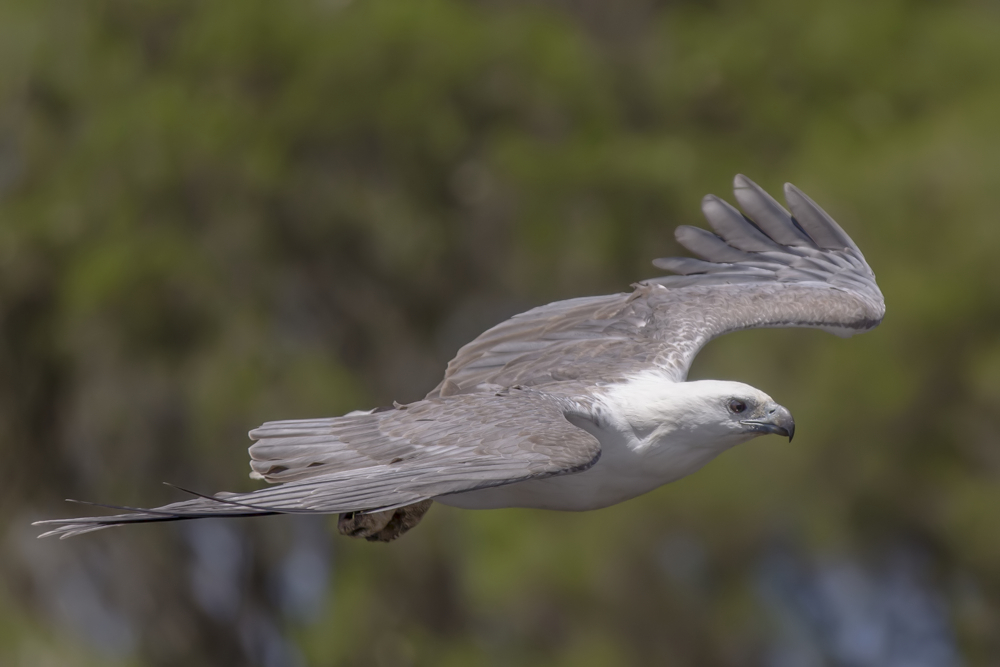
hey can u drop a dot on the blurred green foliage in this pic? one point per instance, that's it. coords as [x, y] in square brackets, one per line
[215, 214]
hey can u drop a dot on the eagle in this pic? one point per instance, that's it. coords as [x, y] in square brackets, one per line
[575, 405]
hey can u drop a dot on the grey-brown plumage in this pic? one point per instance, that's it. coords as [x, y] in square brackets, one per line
[521, 402]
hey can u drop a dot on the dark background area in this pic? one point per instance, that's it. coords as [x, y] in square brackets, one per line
[214, 214]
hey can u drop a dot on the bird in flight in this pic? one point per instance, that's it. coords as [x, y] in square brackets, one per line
[576, 405]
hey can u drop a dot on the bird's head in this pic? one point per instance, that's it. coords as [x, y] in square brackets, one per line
[703, 413]
[734, 410]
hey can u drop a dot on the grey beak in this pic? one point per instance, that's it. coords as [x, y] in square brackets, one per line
[777, 420]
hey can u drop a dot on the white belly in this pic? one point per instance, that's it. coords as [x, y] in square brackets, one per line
[627, 468]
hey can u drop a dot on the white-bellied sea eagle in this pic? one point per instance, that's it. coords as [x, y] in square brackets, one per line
[575, 405]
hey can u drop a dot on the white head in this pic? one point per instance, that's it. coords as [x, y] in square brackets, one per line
[705, 413]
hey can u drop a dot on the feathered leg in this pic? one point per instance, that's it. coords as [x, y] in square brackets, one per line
[383, 526]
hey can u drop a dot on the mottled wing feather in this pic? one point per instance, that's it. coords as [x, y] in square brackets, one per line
[769, 268]
[393, 458]
[558, 342]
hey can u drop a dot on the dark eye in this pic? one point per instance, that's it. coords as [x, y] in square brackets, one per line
[737, 406]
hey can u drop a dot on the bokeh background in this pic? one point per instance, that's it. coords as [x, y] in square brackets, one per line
[214, 214]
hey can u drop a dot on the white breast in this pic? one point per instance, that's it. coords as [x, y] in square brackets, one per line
[645, 443]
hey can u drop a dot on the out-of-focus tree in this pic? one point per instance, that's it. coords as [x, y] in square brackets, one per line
[215, 214]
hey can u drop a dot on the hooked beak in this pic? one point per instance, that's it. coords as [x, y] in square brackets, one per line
[777, 419]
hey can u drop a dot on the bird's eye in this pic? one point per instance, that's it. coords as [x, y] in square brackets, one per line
[737, 406]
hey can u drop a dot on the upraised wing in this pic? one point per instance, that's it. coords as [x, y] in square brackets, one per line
[389, 459]
[768, 268]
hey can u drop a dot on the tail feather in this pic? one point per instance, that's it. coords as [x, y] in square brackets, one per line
[202, 507]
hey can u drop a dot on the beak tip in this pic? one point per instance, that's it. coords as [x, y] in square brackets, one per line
[779, 422]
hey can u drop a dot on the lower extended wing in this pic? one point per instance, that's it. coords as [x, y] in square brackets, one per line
[382, 460]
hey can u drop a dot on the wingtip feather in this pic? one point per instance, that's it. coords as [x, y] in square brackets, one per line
[769, 215]
[817, 222]
[734, 228]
